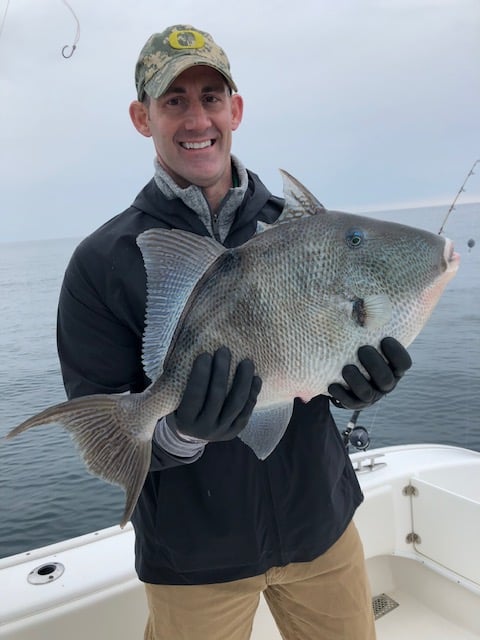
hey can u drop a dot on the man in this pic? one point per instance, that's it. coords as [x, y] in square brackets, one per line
[214, 525]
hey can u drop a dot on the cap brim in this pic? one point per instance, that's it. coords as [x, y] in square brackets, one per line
[160, 82]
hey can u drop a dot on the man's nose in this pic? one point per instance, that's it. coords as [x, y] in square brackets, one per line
[197, 117]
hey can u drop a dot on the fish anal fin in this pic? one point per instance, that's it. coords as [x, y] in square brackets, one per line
[265, 429]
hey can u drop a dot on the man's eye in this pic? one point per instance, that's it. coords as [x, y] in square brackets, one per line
[211, 99]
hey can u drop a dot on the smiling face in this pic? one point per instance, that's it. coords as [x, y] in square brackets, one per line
[191, 126]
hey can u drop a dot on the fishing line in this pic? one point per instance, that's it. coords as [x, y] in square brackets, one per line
[373, 418]
[77, 34]
[2, 24]
[462, 188]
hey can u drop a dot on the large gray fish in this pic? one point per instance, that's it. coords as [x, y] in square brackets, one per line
[299, 299]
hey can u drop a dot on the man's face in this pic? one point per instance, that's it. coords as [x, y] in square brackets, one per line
[191, 126]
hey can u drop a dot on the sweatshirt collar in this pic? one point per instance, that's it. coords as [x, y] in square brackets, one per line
[219, 223]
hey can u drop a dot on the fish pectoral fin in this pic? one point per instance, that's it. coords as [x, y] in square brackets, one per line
[266, 428]
[112, 445]
[372, 311]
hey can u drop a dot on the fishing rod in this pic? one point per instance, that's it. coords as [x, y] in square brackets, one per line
[462, 188]
[354, 435]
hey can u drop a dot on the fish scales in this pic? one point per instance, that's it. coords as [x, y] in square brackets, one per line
[239, 305]
[298, 299]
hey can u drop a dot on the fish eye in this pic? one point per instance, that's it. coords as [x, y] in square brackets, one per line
[354, 238]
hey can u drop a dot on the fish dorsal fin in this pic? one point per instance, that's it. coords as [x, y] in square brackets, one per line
[299, 202]
[174, 262]
[262, 226]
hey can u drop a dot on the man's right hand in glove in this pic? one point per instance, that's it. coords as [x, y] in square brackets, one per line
[209, 409]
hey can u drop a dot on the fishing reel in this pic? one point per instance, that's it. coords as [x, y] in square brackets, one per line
[355, 436]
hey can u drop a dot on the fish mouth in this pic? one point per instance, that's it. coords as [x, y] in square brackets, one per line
[451, 257]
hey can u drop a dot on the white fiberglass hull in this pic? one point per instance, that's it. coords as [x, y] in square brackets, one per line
[420, 525]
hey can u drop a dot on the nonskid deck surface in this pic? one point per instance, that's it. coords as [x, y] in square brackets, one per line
[430, 605]
[413, 619]
[410, 619]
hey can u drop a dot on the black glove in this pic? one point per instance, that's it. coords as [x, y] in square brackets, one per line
[209, 410]
[384, 375]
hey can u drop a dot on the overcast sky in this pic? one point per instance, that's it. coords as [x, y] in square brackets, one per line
[369, 103]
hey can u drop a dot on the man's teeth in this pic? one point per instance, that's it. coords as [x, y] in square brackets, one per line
[196, 145]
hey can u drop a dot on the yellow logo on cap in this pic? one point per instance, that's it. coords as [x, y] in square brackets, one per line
[186, 40]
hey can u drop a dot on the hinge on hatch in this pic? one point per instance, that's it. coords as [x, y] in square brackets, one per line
[413, 538]
[410, 490]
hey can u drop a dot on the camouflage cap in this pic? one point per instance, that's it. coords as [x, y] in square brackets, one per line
[166, 55]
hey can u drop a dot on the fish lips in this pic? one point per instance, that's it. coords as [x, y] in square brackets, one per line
[451, 257]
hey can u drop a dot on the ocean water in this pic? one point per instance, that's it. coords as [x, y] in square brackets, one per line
[45, 492]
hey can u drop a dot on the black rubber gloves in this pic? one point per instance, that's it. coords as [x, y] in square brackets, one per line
[384, 372]
[209, 410]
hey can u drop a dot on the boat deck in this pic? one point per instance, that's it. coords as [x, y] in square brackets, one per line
[413, 619]
[410, 619]
[430, 608]
[419, 523]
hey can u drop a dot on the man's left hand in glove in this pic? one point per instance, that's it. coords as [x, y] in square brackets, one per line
[384, 373]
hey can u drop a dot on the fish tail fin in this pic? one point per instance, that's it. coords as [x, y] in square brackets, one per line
[112, 437]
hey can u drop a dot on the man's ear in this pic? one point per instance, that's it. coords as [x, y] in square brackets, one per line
[139, 116]
[237, 110]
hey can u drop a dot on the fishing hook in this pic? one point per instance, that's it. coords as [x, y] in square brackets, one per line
[77, 34]
[65, 55]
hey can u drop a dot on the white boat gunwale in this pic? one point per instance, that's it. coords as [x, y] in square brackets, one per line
[92, 579]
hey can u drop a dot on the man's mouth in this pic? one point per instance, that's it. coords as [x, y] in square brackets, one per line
[197, 145]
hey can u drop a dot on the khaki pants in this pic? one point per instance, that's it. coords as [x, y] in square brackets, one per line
[326, 599]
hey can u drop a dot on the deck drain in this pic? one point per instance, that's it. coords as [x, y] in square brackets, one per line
[382, 605]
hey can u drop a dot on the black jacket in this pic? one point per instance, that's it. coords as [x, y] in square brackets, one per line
[228, 515]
